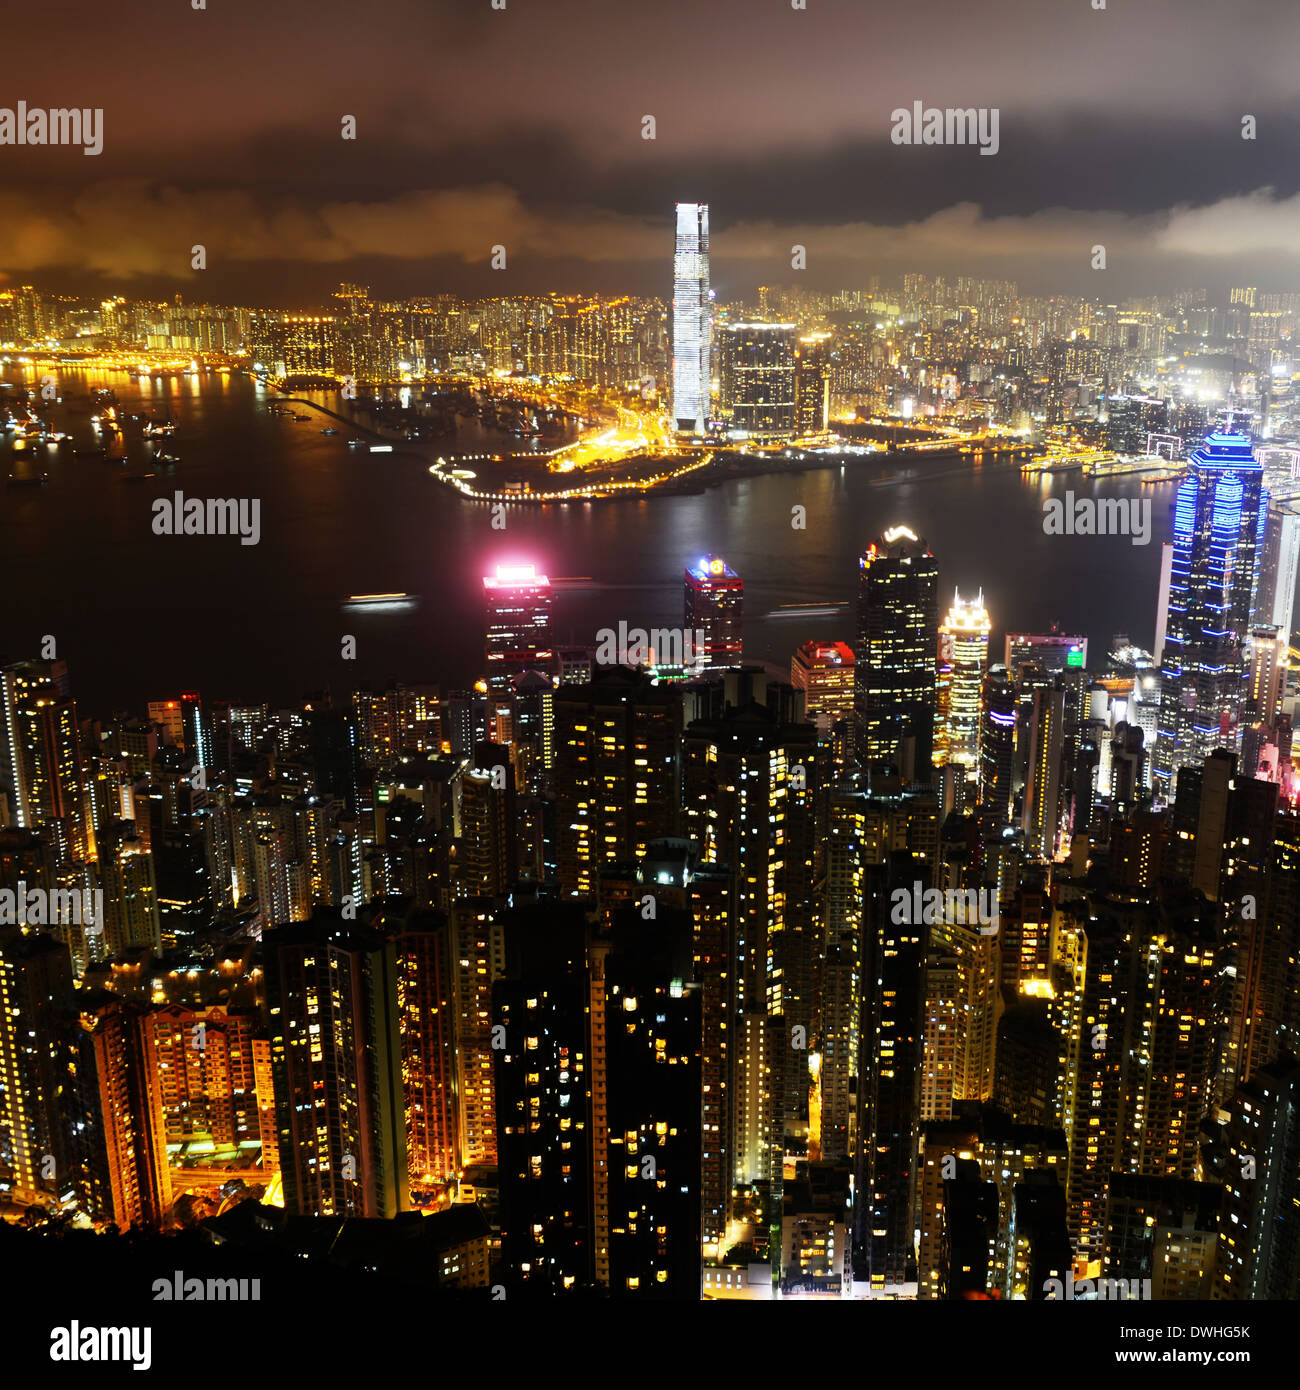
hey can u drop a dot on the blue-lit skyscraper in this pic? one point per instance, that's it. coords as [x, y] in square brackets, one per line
[691, 318]
[1218, 515]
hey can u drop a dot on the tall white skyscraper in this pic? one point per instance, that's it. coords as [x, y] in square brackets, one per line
[691, 318]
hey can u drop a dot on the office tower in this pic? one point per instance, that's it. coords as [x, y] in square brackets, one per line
[1051, 651]
[898, 628]
[1217, 516]
[963, 657]
[331, 997]
[758, 381]
[715, 604]
[518, 623]
[1162, 602]
[692, 319]
[1275, 600]
[812, 383]
[477, 962]
[1258, 1253]
[1131, 419]
[117, 1100]
[997, 743]
[1046, 740]
[550, 1127]
[1266, 683]
[617, 772]
[748, 783]
[824, 672]
[1165, 1230]
[426, 1005]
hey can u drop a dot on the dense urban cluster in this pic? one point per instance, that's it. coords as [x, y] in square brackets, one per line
[639, 969]
[1134, 378]
[912, 976]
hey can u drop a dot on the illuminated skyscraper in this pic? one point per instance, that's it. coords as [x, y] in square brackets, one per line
[35, 987]
[715, 597]
[331, 995]
[1052, 651]
[997, 742]
[691, 319]
[898, 629]
[1218, 515]
[428, 1029]
[1275, 600]
[758, 380]
[824, 672]
[617, 772]
[40, 755]
[812, 383]
[1046, 736]
[963, 657]
[518, 623]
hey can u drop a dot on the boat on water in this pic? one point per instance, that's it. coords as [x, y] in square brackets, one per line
[158, 429]
[356, 443]
[302, 418]
[329, 431]
[39, 481]
[379, 600]
[167, 460]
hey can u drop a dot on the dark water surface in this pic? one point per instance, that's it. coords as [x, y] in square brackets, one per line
[140, 616]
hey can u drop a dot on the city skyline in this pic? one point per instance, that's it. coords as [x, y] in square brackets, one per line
[650, 659]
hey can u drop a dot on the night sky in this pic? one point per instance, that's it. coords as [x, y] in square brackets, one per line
[523, 127]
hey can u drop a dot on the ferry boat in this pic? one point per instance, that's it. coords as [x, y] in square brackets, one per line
[380, 600]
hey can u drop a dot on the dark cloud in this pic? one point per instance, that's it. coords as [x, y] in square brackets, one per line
[522, 126]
